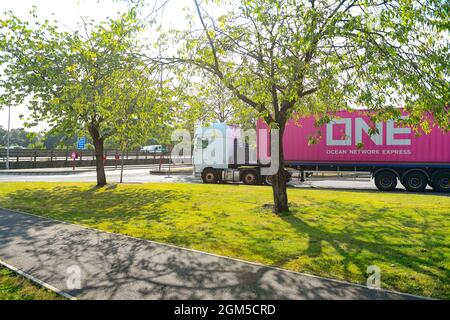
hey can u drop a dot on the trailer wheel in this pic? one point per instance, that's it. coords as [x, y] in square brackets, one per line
[386, 181]
[441, 182]
[288, 176]
[250, 177]
[415, 181]
[268, 180]
[210, 176]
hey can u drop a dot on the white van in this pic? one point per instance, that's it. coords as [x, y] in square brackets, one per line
[154, 149]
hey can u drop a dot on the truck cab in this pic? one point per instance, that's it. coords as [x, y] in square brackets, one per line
[224, 153]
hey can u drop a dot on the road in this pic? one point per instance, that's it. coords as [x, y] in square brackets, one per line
[141, 174]
[90, 264]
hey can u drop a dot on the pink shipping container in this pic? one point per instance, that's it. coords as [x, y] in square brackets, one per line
[346, 141]
[393, 154]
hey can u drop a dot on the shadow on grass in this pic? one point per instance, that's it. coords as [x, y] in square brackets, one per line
[96, 205]
[114, 267]
[356, 244]
[416, 249]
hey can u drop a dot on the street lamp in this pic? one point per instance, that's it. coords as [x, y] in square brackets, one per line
[7, 138]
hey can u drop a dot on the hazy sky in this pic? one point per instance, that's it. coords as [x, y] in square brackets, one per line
[68, 13]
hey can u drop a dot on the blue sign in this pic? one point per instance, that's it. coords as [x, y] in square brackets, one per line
[81, 144]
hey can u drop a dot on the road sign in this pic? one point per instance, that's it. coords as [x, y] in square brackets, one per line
[81, 143]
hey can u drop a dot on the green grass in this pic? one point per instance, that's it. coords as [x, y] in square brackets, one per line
[335, 234]
[15, 287]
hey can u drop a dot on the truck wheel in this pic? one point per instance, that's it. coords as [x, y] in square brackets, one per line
[386, 181]
[268, 180]
[250, 177]
[415, 181]
[210, 176]
[441, 182]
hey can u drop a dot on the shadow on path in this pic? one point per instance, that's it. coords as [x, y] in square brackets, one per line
[118, 267]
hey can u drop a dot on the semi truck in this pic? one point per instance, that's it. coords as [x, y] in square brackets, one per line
[390, 153]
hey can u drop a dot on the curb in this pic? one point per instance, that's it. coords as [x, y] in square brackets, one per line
[37, 281]
[43, 173]
[53, 173]
[221, 256]
[172, 173]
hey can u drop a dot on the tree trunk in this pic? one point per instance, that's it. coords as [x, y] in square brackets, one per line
[280, 198]
[121, 168]
[99, 150]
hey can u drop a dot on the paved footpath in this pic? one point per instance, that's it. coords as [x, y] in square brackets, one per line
[118, 267]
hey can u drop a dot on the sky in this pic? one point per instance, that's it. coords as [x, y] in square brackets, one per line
[68, 13]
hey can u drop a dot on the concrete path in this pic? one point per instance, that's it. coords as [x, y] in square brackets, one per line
[119, 267]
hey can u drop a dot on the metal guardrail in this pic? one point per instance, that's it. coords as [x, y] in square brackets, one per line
[36, 158]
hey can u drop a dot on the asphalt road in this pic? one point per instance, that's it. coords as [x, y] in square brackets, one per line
[89, 264]
[141, 174]
[138, 174]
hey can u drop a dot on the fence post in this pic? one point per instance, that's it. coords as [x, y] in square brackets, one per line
[35, 155]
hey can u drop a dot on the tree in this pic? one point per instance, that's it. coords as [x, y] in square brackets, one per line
[35, 139]
[3, 137]
[139, 109]
[282, 57]
[55, 140]
[68, 76]
[18, 137]
[213, 103]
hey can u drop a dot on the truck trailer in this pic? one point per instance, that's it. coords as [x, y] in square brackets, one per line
[390, 154]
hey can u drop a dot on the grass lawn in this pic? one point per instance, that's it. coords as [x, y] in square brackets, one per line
[335, 234]
[15, 287]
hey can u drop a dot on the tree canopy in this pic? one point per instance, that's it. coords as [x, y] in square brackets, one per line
[92, 81]
[305, 56]
[281, 57]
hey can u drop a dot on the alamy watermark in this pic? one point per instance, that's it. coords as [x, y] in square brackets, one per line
[374, 277]
[73, 281]
[220, 146]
